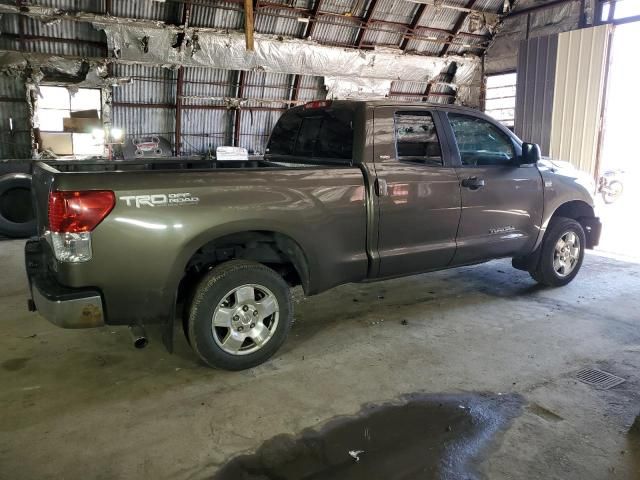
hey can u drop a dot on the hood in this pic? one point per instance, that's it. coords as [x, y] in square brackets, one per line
[559, 165]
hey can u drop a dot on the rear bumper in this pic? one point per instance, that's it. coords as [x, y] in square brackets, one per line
[63, 306]
[592, 230]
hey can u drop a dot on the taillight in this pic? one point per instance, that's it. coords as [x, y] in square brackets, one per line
[73, 212]
[72, 216]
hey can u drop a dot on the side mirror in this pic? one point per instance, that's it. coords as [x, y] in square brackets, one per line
[530, 154]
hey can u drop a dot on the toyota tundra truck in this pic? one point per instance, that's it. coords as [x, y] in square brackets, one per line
[347, 191]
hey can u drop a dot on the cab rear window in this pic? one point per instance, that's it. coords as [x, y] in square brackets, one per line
[317, 133]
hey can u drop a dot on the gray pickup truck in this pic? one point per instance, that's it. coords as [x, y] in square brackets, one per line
[347, 191]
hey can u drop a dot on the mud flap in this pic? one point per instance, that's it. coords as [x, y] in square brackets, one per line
[592, 229]
[527, 262]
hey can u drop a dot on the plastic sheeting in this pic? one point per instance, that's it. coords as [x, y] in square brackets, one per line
[14, 63]
[356, 88]
[274, 54]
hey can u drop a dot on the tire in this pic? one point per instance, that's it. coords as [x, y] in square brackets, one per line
[613, 192]
[220, 296]
[546, 271]
[17, 218]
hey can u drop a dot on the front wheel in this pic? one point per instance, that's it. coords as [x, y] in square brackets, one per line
[561, 254]
[240, 315]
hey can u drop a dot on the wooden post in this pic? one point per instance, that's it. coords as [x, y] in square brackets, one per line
[248, 23]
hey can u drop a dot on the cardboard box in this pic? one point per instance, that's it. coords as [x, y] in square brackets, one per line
[82, 121]
[58, 142]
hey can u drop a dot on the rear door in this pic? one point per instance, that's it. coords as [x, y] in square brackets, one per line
[417, 191]
[501, 201]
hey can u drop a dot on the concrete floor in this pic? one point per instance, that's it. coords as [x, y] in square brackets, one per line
[85, 404]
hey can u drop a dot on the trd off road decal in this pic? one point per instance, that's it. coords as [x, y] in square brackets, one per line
[160, 200]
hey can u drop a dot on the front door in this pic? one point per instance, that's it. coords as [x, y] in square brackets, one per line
[501, 201]
[417, 191]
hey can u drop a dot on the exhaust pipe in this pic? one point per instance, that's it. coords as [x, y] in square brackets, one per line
[138, 335]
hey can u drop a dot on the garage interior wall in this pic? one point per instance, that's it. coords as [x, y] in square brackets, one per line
[527, 22]
[534, 91]
[579, 91]
[561, 82]
[15, 124]
[198, 108]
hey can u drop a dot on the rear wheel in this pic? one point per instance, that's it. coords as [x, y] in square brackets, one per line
[240, 315]
[561, 254]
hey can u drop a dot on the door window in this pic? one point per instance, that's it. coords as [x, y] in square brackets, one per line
[417, 139]
[481, 143]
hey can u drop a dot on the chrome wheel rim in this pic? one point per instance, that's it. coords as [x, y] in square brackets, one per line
[245, 320]
[566, 254]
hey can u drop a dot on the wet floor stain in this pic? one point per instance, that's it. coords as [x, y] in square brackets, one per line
[418, 437]
[14, 364]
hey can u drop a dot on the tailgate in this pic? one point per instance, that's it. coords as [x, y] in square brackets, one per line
[42, 179]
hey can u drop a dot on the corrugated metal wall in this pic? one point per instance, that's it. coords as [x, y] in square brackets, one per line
[534, 91]
[579, 87]
[14, 112]
[147, 105]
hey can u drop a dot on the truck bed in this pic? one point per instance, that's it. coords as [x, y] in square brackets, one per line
[143, 246]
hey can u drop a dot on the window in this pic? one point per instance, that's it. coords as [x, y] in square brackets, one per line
[500, 99]
[318, 133]
[619, 10]
[308, 135]
[480, 143]
[69, 121]
[284, 135]
[416, 138]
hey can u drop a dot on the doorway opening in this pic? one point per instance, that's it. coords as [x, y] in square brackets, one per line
[619, 172]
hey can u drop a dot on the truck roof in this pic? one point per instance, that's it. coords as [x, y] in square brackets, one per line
[398, 103]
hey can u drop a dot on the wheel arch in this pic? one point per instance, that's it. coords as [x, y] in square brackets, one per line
[271, 247]
[578, 210]
[575, 209]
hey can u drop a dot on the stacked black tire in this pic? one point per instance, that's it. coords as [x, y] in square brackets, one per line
[17, 218]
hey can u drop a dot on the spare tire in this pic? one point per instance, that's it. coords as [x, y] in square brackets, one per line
[17, 217]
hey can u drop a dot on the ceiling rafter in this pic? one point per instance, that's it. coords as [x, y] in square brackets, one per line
[457, 27]
[313, 19]
[43, 13]
[358, 21]
[365, 23]
[417, 17]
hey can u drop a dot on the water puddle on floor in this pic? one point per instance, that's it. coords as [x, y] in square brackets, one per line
[417, 437]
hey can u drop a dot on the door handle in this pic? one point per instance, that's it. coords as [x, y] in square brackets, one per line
[473, 183]
[380, 187]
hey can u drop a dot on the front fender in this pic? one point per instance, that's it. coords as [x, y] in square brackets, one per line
[568, 193]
